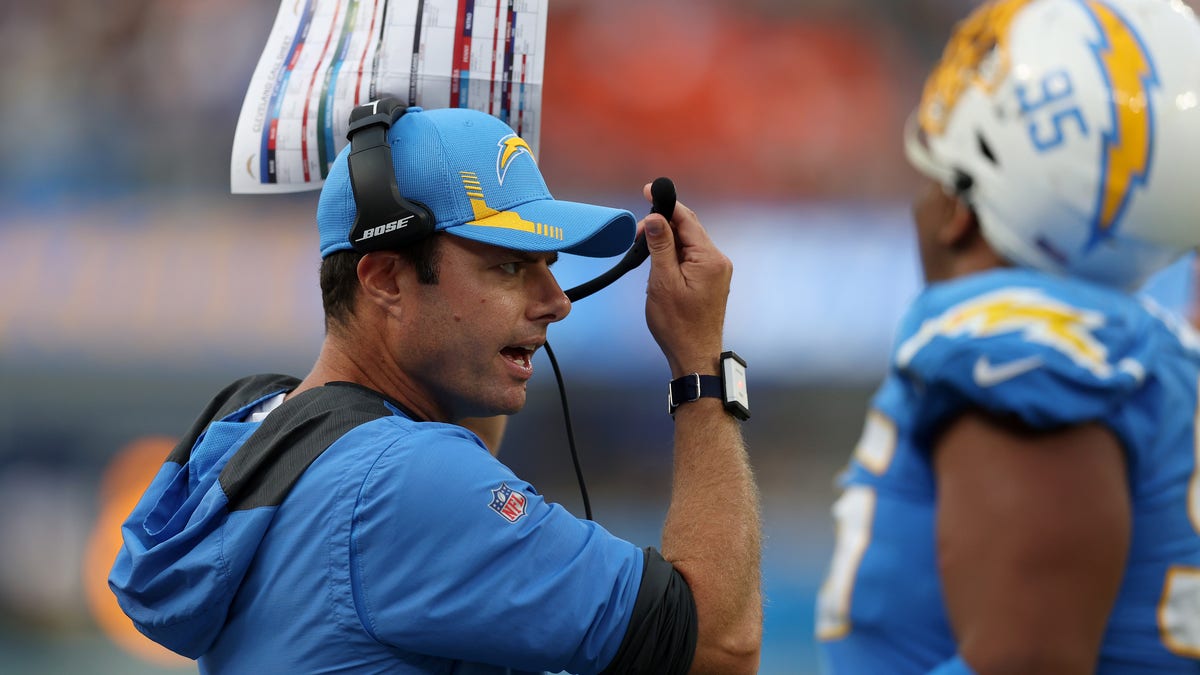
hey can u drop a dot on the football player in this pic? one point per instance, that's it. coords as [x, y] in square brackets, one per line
[1025, 496]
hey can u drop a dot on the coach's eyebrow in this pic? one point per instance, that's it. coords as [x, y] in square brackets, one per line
[550, 257]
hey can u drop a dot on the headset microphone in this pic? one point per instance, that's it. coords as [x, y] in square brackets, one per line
[662, 199]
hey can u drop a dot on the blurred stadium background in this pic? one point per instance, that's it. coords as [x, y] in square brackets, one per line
[134, 284]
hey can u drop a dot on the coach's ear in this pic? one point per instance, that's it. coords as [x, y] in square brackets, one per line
[385, 277]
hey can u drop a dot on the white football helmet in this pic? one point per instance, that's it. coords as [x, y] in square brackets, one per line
[1073, 129]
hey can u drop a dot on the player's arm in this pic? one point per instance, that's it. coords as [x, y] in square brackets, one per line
[489, 429]
[1033, 529]
[712, 533]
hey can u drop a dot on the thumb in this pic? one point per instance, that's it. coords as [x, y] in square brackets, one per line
[660, 240]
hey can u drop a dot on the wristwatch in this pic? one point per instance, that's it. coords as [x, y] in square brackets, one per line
[729, 386]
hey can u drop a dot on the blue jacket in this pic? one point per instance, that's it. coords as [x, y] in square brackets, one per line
[340, 535]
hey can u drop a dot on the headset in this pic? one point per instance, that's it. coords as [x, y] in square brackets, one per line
[385, 220]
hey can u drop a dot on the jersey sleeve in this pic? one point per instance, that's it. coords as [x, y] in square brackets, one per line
[454, 556]
[1022, 353]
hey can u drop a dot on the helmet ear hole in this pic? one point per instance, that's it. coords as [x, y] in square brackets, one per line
[985, 149]
[963, 182]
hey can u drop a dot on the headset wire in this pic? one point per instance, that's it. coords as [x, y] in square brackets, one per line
[562, 394]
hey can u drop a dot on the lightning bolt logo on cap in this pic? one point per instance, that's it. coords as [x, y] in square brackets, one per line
[511, 147]
[486, 216]
[1128, 146]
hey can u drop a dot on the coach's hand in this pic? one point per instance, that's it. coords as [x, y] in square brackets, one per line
[687, 291]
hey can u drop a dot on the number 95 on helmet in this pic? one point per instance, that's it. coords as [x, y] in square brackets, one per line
[1072, 127]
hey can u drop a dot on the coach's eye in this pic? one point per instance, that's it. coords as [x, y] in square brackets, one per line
[510, 267]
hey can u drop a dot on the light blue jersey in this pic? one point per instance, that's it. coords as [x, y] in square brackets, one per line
[1052, 352]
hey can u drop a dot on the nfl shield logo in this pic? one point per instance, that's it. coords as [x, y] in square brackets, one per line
[509, 504]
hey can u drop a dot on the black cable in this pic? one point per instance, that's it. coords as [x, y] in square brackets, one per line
[562, 394]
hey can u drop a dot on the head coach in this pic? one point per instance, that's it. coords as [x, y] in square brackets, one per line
[355, 521]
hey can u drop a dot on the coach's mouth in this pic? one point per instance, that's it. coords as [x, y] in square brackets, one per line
[520, 357]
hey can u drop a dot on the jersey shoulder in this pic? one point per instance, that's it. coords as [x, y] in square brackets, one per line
[1050, 350]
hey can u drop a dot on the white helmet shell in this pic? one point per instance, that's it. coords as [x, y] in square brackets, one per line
[1073, 129]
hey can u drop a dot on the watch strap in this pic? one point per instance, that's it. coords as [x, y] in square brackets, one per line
[692, 387]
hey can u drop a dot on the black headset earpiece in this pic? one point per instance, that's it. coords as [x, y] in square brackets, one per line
[385, 219]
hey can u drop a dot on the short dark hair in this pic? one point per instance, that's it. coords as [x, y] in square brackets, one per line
[339, 277]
